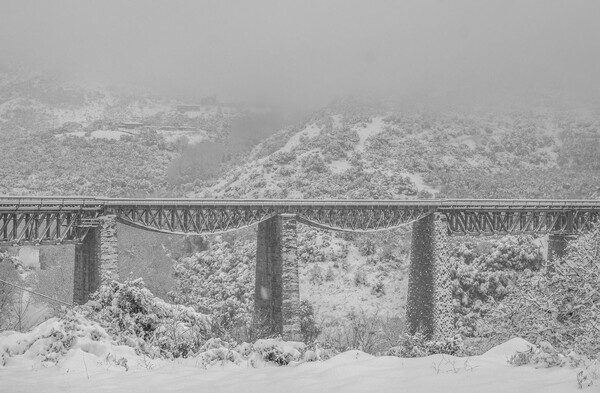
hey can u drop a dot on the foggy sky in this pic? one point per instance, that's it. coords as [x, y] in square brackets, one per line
[308, 52]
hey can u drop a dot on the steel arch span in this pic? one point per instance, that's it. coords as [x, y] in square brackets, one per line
[214, 217]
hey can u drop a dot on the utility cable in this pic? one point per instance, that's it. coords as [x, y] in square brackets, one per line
[37, 293]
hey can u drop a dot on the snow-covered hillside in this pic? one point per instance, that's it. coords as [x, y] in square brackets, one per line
[35, 102]
[60, 137]
[382, 153]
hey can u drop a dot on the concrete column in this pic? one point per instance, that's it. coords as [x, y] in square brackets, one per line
[277, 290]
[429, 308]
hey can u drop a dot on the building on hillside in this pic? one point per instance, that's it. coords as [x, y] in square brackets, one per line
[177, 128]
[189, 108]
[130, 125]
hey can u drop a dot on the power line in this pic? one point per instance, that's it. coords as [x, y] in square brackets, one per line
[37, 293]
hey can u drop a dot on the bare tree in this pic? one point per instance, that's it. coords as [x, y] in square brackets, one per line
[20, 311]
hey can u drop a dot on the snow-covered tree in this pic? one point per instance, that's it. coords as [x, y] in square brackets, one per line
[219, 282]
[561, 303]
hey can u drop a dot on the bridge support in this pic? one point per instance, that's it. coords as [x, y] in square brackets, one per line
[109, 251]
[429, 307]
[95, 259]
[277, 290]
[86, 277]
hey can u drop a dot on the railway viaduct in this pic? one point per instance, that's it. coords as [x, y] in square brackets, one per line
[91, 224]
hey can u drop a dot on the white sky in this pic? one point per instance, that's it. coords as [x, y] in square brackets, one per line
[306, 52]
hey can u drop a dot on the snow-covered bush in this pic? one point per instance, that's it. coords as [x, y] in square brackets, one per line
[417, 345]
[67, 340]
[483, 272]
[217, 351]
[313, 163]
[378, 288]
[329, 274]
[363, 330]
[560, 304]
[282, 158]
[545, 355]
[261, 353]
[315, 275]
[219, 282]
[316, 245]
[308, 326]
[366, 246]
[360, 277]
[137, 318]
[52, 341]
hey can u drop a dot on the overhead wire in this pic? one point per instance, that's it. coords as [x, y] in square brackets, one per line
[37, 293]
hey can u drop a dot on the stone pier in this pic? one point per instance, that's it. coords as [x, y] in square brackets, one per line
[96, 259]
[277, 291]
[86, 277]
[109, 250]
[429, 308]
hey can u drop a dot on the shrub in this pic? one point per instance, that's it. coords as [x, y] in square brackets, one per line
[417, 345]
[329, 274]
[315, 275]
[560, 304]
[366, 246]
[378, 289]
[368, 332]
[282, 158]
[483, 272]
[308, 326]
[360, 277]
[219, 282]
[545, 355]
[133, 315]
[313, 163]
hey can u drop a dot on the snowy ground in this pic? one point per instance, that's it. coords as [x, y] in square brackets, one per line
[352, 371]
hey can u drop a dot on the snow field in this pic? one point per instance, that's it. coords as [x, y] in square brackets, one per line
[351, 371]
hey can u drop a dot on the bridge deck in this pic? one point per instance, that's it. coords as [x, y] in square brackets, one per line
[62, 219]
[46, 202]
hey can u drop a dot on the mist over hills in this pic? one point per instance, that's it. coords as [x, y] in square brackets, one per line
[357, 150]
[60, 137]
[64, 138]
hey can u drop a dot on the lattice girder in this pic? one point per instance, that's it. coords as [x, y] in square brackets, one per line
[45, 227]
[482, 222]
[216, 219]
[64, 219]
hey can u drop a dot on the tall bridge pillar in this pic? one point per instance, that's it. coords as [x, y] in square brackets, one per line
[277, 290]
[86, 277]
[95, 259]
[429, 308]
[109, 252]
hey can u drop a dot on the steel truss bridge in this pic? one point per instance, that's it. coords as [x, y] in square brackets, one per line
[64, 220]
